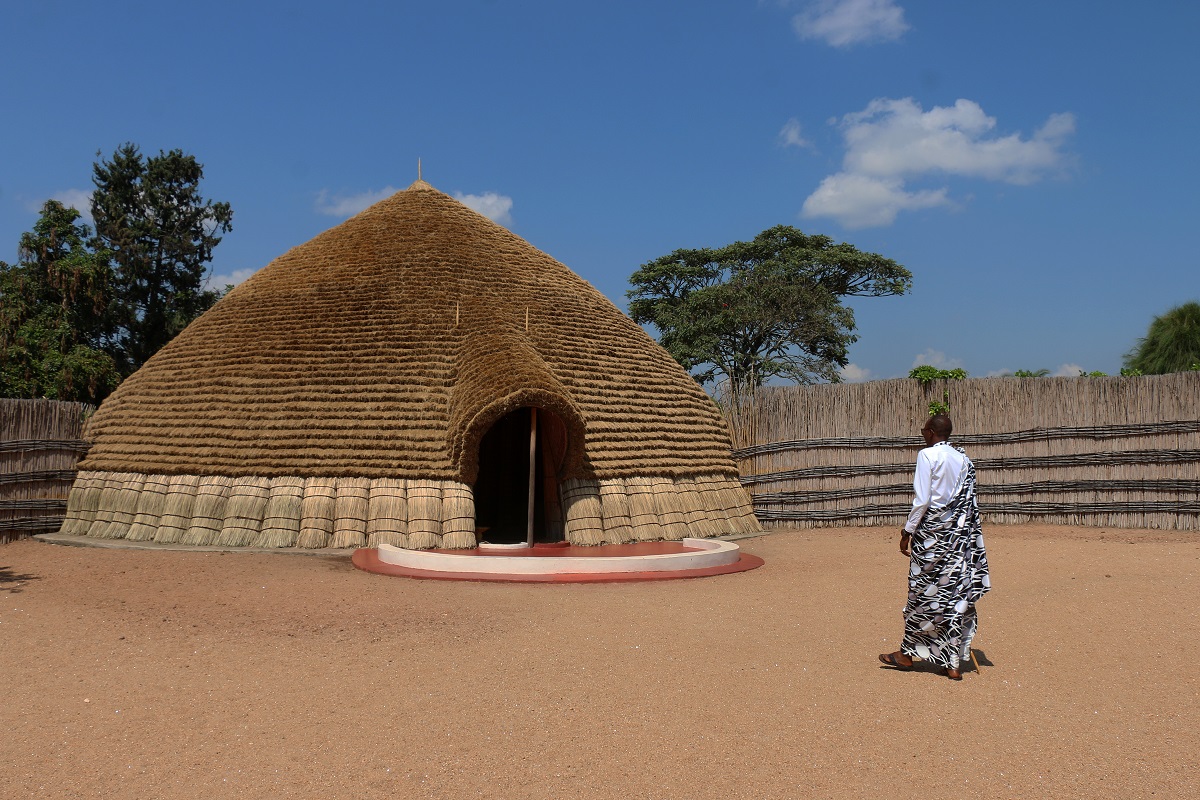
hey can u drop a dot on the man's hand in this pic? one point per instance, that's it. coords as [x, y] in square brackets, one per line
[905, 540]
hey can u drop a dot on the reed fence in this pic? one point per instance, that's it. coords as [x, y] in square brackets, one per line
[1118, 452]
[41, 441]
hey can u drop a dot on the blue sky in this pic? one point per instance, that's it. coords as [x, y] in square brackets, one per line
[1034, 164]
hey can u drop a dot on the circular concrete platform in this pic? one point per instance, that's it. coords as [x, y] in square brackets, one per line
[562, 563]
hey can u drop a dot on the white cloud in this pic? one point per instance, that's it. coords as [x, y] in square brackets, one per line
[791, 135]
[852, 373]
[936, 358]
[895, 138]
[495, 207]
[220, 281]
[842, 23]
[863, 201]
[345, 206]
[891, 142]
[1067, 371]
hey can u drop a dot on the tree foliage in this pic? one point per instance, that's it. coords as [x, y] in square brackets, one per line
[1172, 344]
[79, 312]
[54, 313]
[927, 374]
[770, 307]
[149, 213]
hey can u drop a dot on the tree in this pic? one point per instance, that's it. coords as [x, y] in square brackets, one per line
[770, 307]
[53, 313]
[161, 233]
[1171, 345]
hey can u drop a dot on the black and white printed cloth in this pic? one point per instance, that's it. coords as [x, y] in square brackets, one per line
[948, 573]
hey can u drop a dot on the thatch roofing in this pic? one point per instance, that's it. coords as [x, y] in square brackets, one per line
[388, 345]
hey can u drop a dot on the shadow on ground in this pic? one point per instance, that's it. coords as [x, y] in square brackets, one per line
[934, 669]
[12, 582]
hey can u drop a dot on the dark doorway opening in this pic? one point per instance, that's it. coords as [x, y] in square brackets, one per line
[502, 487]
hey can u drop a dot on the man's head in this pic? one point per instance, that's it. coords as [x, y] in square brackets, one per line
[937, 429]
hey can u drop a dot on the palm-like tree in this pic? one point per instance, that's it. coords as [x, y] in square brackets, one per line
[1171, 345]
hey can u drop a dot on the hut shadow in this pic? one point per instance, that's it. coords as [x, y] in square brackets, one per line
[337, 563]
[12, 582]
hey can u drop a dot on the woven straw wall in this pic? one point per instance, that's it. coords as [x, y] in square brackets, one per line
[315, 513]
[1120, 452]
[40, 443]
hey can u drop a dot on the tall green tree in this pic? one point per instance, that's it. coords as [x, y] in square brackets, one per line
[1172, 344]
[161, 232]
[54, 326]
[770, 307]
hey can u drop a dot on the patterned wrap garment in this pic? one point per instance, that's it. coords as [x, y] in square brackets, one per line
[948, 573]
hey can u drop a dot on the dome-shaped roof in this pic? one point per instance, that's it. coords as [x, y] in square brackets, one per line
[388, 345]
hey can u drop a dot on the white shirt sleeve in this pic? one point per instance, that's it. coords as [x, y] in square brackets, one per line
[922, 490]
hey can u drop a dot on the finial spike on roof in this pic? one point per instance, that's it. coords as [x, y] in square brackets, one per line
[419, 183]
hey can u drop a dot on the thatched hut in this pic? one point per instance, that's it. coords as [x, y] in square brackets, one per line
[412, 376]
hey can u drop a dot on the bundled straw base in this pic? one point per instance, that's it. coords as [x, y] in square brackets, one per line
[342, 513]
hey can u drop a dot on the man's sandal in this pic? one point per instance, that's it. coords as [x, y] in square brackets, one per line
[891, 660]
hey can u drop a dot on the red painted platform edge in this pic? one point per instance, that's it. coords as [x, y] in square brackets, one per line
[567, 550]
[367, 559]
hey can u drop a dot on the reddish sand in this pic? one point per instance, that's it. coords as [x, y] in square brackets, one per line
[168, 674]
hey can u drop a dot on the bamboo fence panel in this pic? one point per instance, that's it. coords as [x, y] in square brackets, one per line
[41, 441]
[1118, 452]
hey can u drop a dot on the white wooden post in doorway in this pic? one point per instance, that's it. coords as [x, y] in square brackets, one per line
[532, 474]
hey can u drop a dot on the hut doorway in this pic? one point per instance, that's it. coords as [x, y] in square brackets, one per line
[502, 489]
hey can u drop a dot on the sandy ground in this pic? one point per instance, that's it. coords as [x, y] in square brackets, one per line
[166, 674]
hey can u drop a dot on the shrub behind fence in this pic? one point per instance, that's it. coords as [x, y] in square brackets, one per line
[1120, 452]
[40, 444]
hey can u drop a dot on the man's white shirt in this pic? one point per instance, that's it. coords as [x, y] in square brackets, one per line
[939, 473]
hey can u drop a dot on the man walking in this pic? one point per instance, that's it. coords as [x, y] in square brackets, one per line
[948, 570]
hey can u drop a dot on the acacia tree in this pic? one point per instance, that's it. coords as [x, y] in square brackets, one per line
[1172, 344]
[149, 213]
[770, 307]
[54, 328]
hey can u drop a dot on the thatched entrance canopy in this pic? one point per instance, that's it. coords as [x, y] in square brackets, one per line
[378, 355]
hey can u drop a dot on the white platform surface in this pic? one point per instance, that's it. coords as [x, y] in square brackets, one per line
[704, 553]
